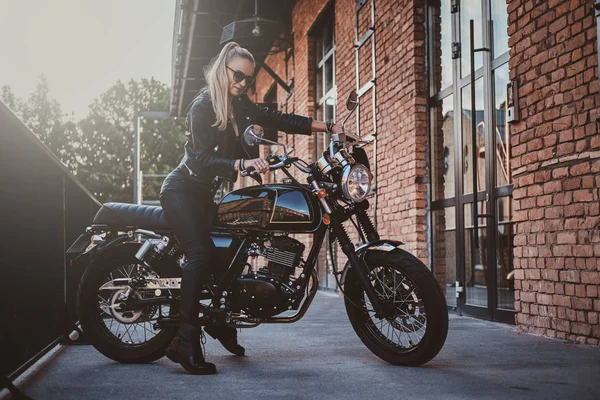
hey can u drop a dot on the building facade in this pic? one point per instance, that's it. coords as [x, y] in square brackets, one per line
[486, 149]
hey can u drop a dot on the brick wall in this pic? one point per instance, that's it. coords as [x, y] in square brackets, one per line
[400, 102]
[556, 168]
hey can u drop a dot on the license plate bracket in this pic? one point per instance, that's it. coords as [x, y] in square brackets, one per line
[80, 244]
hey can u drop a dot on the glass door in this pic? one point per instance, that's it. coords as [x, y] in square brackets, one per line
[470, 142]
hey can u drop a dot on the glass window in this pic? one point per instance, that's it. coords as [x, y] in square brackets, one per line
[328, 33]
[319, 80]
[505, 254]
[501, 129]
[467, 129]
[470, 10]
[329, 74]
[476, 285]
[500, 18]
[444, 246]
[441, 47]
[442, 151]
[324, 77]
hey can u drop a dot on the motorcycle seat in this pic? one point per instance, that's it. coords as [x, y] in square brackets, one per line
[131, 215]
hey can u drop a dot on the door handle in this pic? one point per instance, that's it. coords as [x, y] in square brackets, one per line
[474, 153]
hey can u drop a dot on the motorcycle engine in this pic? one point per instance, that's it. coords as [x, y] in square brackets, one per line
[272, 289]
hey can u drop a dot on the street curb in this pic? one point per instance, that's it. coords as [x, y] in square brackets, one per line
[30, 372]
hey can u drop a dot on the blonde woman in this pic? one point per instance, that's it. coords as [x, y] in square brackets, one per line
[213, 149]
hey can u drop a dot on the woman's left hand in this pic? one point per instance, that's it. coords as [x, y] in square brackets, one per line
[260, 165]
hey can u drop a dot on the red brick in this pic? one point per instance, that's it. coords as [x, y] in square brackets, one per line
[560, 300]
[563, 198]
[581, 328]
[583, 195]
[569, 276]
[571, 184]
[561, 325]
[580, 169]
[574, 210]
[566, 238]
[581, 304]
[590, 277]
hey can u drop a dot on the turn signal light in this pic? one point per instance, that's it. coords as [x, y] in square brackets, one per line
[326, 219]
[321, 193]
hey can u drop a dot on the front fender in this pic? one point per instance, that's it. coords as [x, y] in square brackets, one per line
[376, 245]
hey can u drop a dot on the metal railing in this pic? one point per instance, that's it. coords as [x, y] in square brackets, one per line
[43, 209]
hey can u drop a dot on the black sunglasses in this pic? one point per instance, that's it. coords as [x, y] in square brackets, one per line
[239, 76]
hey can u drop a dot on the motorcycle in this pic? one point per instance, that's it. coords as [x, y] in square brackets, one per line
[128, 297]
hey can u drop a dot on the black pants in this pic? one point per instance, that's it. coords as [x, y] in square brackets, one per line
[190, 215]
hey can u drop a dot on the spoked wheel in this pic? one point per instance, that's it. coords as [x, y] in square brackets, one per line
[120, 332]
[415, 325]
[129, 326]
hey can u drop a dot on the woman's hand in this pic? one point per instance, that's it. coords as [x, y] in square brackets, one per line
[259, 164]
[336, 129]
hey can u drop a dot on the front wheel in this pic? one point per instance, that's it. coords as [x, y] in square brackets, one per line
[416, 323]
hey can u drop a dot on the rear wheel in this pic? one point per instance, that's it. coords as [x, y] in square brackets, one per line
[126, 335]
[416, 324]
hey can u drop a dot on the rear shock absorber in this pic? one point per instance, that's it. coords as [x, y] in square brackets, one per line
[367, 225]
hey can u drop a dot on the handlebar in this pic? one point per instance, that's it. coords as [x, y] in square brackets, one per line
[275, 162]
[252, 173]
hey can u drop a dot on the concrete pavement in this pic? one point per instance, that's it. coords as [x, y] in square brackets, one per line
[321, 357]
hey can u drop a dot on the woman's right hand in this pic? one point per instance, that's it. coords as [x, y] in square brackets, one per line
[259, 164]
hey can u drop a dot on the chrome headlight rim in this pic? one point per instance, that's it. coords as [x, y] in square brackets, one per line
[346, 181]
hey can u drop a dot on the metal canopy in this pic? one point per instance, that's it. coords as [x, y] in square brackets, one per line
[199, 29]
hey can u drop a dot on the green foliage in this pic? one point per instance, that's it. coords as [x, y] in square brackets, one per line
[99, 148]
[45, 118]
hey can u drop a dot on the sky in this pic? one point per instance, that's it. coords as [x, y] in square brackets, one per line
[83, 46]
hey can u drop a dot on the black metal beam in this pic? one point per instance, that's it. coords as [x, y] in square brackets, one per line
[274, 75]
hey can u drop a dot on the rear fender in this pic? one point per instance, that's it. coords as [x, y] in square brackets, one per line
[386, 245]
[94, 250]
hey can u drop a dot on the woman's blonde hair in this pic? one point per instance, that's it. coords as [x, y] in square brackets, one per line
[217, 81]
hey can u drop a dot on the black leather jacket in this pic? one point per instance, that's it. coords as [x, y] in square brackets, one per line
[210, 153]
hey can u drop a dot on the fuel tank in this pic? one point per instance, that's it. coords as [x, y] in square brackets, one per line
[270, 208]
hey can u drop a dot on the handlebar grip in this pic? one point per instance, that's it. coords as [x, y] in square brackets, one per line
[247, 171]
[252, 173]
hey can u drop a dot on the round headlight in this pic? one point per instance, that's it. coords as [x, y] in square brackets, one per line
[356, 182]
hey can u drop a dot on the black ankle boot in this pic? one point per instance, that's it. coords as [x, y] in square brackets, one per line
[186, 350]
[227, 336]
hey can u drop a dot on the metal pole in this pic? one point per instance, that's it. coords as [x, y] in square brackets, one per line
[136, 159]
[137, 173]
[475, 244]
[140, 193]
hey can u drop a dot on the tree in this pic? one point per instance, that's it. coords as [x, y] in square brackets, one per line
[45, 118]
[106, 153]
[99, 148]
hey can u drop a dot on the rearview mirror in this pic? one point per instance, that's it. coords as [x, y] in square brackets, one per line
[352, 101]
[253, 135]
